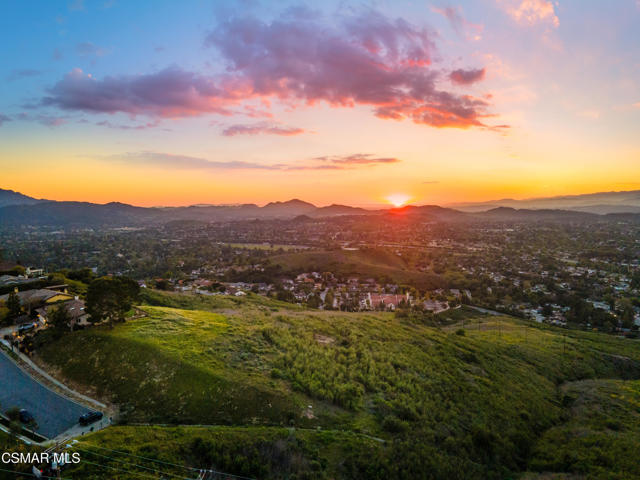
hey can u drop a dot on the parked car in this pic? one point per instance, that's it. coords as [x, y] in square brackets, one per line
[90, 417]
[25, 416]
[25, 327]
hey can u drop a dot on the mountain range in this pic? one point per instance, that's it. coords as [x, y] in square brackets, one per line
[17, 210]
[600, 203]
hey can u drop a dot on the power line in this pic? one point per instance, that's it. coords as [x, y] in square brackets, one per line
[239, 477]
[133, 464]
[121, 470]
[138, 456]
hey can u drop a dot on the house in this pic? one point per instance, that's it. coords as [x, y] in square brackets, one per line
[40, 296]
[34, 272]
[435, 306]
[389, 301]
[75, 308]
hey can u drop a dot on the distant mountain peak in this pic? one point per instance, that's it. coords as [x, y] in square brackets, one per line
[10, 197]
[294, 202]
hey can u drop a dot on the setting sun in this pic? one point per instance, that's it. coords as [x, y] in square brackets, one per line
[398, 199]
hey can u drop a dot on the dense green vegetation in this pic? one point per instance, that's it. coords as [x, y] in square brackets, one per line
[260, 452]
[600, 437]
[472, 400]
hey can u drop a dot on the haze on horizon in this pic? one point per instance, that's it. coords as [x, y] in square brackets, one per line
[356, 103]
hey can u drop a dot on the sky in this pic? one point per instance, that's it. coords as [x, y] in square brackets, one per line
[220, 102]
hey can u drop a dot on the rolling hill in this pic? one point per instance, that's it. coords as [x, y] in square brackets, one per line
[320, 395]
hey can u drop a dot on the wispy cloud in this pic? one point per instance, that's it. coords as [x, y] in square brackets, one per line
[357, 159]
[27, 72]
[430, 182]
[42, 119]
[185, 162]
[261, 128]
[460, 25]
[4, 118]
[88, 49]
[167, 160]
[116, 126]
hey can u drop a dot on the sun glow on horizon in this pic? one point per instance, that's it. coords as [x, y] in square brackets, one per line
[398, 199]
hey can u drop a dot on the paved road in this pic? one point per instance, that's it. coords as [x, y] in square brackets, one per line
[53, 412]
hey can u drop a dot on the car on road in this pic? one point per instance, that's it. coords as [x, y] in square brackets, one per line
[25, 416]
[90, 417]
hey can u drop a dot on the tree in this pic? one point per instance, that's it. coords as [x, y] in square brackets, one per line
[314, 301]
[628, 314]
[59, 320]
[328, 300]
[110, 298]
[13, 304]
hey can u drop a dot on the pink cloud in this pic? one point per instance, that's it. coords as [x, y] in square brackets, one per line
[367, 60]
[168, 93]
[467, 77]
[530, 12]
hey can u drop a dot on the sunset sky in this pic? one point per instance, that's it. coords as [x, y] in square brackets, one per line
[174, 103]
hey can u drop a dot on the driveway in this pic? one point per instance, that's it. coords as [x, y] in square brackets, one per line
[53, 413]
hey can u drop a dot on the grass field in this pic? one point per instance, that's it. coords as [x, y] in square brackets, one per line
[482, 402]
[269, 246]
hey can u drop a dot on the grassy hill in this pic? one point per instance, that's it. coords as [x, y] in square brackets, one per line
[393, 398]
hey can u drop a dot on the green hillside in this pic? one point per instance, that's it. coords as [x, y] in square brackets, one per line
[601, 435]
[393, 398]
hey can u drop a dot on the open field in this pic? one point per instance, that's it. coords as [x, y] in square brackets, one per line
[472, 403]
[360, 263]
[267, 246]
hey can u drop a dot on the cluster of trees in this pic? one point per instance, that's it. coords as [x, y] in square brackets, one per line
[110, 298]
